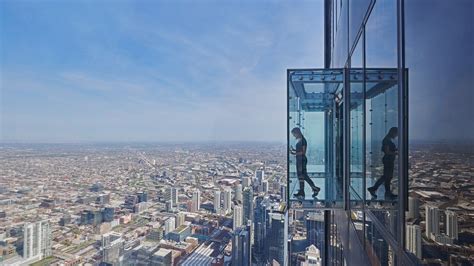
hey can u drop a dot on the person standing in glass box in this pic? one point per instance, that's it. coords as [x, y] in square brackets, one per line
[390, 152]
[301, 162]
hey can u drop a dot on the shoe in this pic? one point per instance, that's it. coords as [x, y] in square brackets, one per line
[299, 194]
[316, 192]
[372, 191]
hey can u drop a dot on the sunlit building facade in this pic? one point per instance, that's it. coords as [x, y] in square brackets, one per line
[348, 113]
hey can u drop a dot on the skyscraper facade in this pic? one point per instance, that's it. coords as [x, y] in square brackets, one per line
[260, 228]
[112, 248]
[237, 216]
[247, 205]
[452, 224]
[347, 111]
[227, 207]
[432, 221]
[259, 176]
[196, 201]
[413, 208]
[36, 240]
[217, 201]
[277, 245]
[413, 240]
[238, 193]
[241, 247]
[173, 197]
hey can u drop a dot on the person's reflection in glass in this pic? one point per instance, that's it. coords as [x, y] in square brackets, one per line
[390, 151]
[301, 162]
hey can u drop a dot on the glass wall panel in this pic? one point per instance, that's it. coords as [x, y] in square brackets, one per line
[311, 104]
[381, 151]
[381, 35]
[356, 171]
[357, 11]
[341, 46]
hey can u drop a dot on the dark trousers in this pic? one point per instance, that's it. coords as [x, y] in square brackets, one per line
[386, 178]
[302, 173]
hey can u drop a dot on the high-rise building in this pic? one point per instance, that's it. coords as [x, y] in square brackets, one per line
[241, 248]
[413, 208]
[283, 193]
[452, 224]
[180, 219]
[432, 221]
[130, 201]
[170, 225]
[227, 200]
[196, 201]
[265, 186]
[108, 214]
[260, 228]
[315, 229]
[246, 182]
[112, 248]
[259, 176]
[247, 205]
[237, 216]
[413, 240]
[217, 201]
[344, 111]
[173, 197]
[276, 239]
[238, 193]
[36, 240]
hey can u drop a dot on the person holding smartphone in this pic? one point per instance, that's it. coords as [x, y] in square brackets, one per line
[390, 152]
[301, 162]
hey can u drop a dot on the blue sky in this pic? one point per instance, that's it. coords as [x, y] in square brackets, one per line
[152, 71]
[203, 70]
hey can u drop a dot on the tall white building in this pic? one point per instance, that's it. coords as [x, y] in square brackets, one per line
[227, 200]
[170, 225]
[237, 216]
[174, 197]
[196, 202]
[180, 219]
[451, 224]
[238, 193]
[432, 221]
[112, 248]
[413, 239]
[413, 208]
[37, 240]
[217, 201]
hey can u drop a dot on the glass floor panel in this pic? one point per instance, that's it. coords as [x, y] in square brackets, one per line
[326, 199]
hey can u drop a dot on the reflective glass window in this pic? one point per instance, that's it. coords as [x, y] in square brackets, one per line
[356, 131]
[381, 35]
[357, 11]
